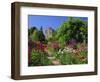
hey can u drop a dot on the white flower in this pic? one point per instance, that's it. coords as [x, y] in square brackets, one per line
[59, 51]
[62, 52]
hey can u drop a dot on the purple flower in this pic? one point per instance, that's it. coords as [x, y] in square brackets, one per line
[72, 42]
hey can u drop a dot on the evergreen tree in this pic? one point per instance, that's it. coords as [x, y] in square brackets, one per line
[41, 35]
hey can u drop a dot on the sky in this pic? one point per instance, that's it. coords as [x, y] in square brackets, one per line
[48, 21]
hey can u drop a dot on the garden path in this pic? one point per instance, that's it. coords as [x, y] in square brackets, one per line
[52, 58]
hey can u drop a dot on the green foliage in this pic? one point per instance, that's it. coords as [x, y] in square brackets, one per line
[35, 36]
[70, 58]
[41, 35]
[35, 58]
[74, 28]
[51, 49]
[66, 58]
[39, 58]
[31, 30]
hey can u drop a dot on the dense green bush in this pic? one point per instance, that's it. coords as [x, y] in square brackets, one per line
[74, 28]
[70, 58]
[39, 58]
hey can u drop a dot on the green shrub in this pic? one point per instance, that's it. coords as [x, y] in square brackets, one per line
[66, 58]
[70, 58]
[35, 58]
[39, 59]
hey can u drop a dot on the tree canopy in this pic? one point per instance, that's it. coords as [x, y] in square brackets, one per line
[36, 34]
[73, 28]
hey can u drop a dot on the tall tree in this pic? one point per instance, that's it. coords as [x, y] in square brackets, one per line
[74, 28]
[31, 30]
[41, 35]
[35, 36]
